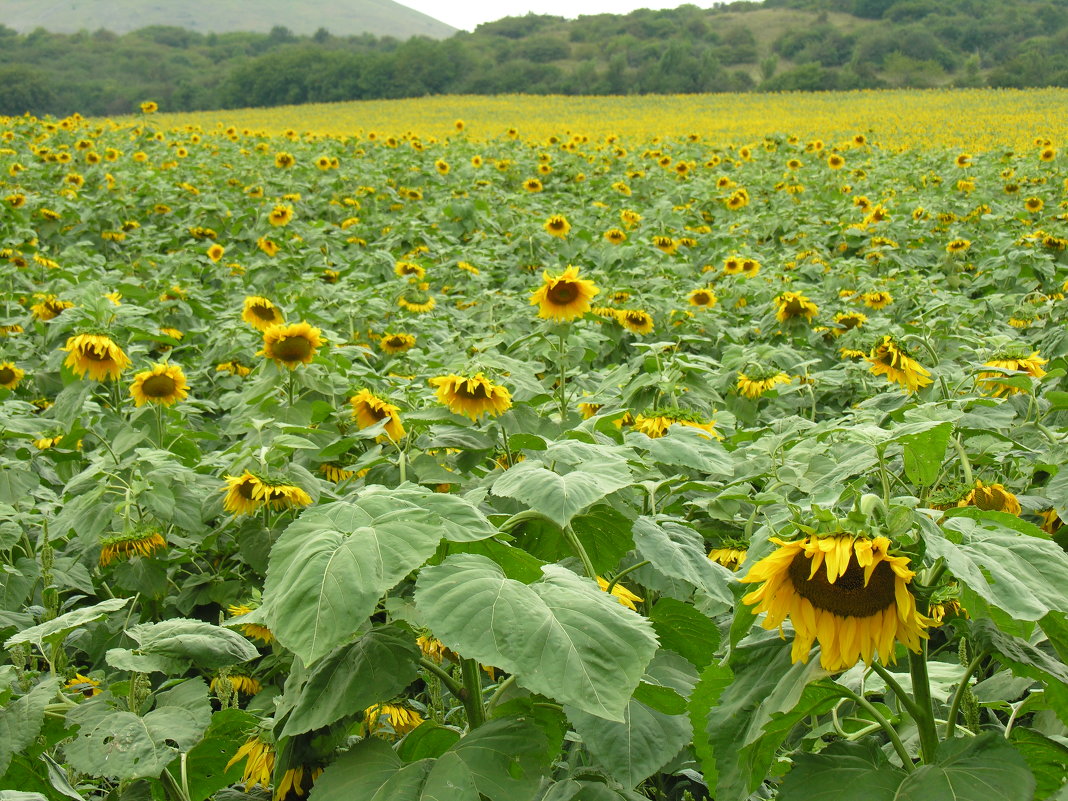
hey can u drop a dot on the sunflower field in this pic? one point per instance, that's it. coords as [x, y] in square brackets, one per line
[408, 465]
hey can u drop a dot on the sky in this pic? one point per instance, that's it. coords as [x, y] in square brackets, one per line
[470, 13]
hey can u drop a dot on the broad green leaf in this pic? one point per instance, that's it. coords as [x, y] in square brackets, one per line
[427, 740]
[576, 790]
[560, 497]
[21, 720]
[53, 631]
[458, 519]
[687, 447]
[972, 769]
[18, 795]
[515, 562]
[678, 551]
[714, 680]
[561, 636]
[125, 659]
[206, 762]
[604, 532]
[1024, 576]
[924, 452]
[844, 771]
[330, 567]
[645, 740]
[1047, 759]
[375, 668]
[683, 629]
[206, 646]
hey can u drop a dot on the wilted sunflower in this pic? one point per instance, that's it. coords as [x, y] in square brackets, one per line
[140, 541]
[247, 492]
[889, 359]
[732, 558]
[845, 591]
[296, 782]
[245, 685]
[958, 246]
[472, 397]
[48, 307]
[417, 300]
[280, 215]
[233, 368]
[290, 345]
[406, 269]
[558, 226]
[847, 321]
[259, 751]
[260, 313]
[368, 410]
[396, 343]
[563, 297]
[791, 305]
[636, 320]
[164, 384]
[666, 244]
[96, 355]
[754, 384]
[992, 497]
[655, 424]
[390, 720]
[335, 473]
[10, 375]
[1030, 365]
[254, 630]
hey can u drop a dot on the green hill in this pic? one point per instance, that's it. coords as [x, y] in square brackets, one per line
[341, 17]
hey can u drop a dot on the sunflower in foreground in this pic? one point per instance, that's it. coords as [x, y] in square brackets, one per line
[10, 375]
[261, 314]
[845, 591]
[85, 685]
[887, 358]
[472, 397]
[164, 384]
[1030, 365]
[369, 409]
[143, 541]
[290, 345]
[563, 297]
[96, 355]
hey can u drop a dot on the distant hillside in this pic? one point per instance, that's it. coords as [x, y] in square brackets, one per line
[777, 45]
[340, 17]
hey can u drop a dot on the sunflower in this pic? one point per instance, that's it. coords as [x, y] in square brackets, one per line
[845, 591]
[656, 424]
[963, 160]
[417, 300]
[164, 384]
[847, 321]
[290, 345]
[284, 160]
[728, 556]
[621, 594]
[10, 375]
[259, 753]
[268, 246]
[216, 252]
[260, 313]
[615, 236]
[738, 199]
[887, 358]
[296, 782]
[245, 685]
[755, 385]
[1029, 365]
[636, 320]
[149, 107]
[280, 215]
[390, 720]
[877, 300]
[254, 630]
[558, 226]
[369, 409]
[142, 541]
[472, 397]
[434, 649]
[703, 298]
[1034, 204]
[396, 343]
[792, 305]
[233, 368]
[406, 269]
[442, 166]
[85, 685]
[835, 162]
[992, 497]
[95, 354]
[335, 473]
[533, 185]
[665, 244]
[563, 297]
[958, 246]
[1047, 154]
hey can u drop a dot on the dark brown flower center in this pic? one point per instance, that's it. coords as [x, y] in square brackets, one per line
[159, 386]
[263, 312]
[292, 349]
[556, 225]
[244, 489]
[563, 292]
[847, 597]
[701, 298]
[7, 375]
[635, 318]
[94, 355]
[478, 393]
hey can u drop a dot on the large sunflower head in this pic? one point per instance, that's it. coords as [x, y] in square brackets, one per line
[164, 384]
[889, 359]
[48, 307]
[845, 591]
[96, 355]
[992, 497]
[472, 396]
[656, 422]
[368, 409]
[391, 721]
[10, 375]
[1011, 358]
[636, 320]
[563, 297]
[261, 314]
[290, 345]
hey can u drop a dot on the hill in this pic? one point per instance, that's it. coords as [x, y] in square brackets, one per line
[341, 17]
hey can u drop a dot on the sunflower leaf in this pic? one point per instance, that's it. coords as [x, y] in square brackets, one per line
[678, 551]
[561, 497]
[843, 771]
[972, 769]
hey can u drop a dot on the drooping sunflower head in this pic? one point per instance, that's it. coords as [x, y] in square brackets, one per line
[877, 300]
[563, 297]
[252, 630]
[48, 307]
[409, 269]
[846, 591]
[417, 300]
[137, 541]
[756, 380]
[731, 557]
[472, 396]
[1012, 357]
[396, 343]
[889, 359]
[280, 215]
[258, 751]
[95, 355]
[368, 410]
[164, 384]
[10, 375]
[290, 345]
[656, 422]
[391, 721]
[261, 314]
[992, 497]
[84, 685]
[620, 593]
[847, 321]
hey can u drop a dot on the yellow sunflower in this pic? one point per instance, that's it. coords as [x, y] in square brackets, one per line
[259, 753]
[216, 252]
[10, 375]
[621, 594]
[396, 343]
[280, 215]
[96, 355]
[791, 305]
[845, 591]
[993, 497]
[877, 300]
[615, 236]
[48, 307]
[729, 557]
[558, 226]
[417, 300]
[636, 320]
[888, 359]
[164, 384]
[563, 297]
[1030, 365]
[368, 409]
[233, 368]
[135, 542]
[296, 782]
[703, 298]
[254, 630]
[261, 314]
[335, 473]
[84, 685]
[407, 269]
[290, 345]
[245, 685]
[847, 321]
[755, 385]
[472, 397]
[656, 424]
[390, 720]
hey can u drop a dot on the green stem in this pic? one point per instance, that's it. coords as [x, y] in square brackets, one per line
[519, 517]
[171, 787]
[443, 676]
[562, 387]
[887, 727]
[501, 689]
[289, 388]
[958, 695]
[904, 698]
[402, 465]
[580, 551]
[884, 477]
[471, 694]
[965, 464]
[921, 693]
[622, 573]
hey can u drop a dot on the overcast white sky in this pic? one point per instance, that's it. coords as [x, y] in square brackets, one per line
[471, 13]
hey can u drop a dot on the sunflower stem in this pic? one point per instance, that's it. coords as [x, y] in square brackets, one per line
[502, 687]
[887, 727]
[904, 698]
[958, 695]
[612, 584]
[442, 674]
[965, 464]
[573, 539]
[289, 389]
[884, 478]
[402, 465]
[562, 387]
[471, 694]
[159, 425]
[921, 693]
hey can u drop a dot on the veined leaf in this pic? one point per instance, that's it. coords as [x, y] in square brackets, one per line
[53, 631]
[843, 771]
[561, 497]
[972, 769]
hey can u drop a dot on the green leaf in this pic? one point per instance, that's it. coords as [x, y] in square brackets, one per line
[683, 629]
[125, 659]
[1047, 759]
[206, 762]
[17, 795]
[427, 740]
[646, 739]
[375, 668]
[560, 497]
[459, 520]
[53, 631]
[924, 453]
[21, 720]
[843, 771]
[562, 636]
[688, 447]
[330, 567]
[1024, 576]
[207, 646]
[678, 551]
[710, 686]
[603, 532]
[972, 769]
